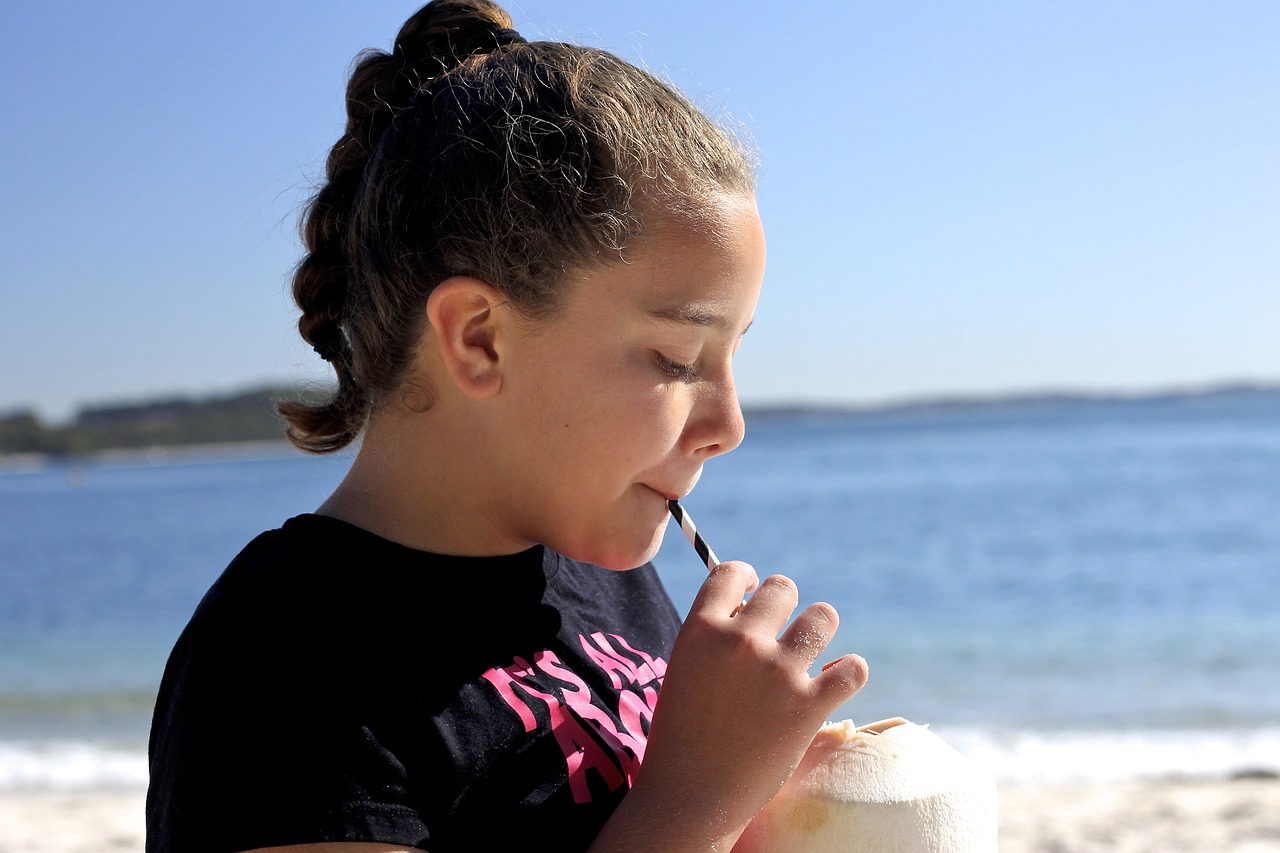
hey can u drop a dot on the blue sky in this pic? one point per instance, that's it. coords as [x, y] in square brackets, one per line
[976, 198]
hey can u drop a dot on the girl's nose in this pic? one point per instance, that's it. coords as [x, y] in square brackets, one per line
[716, 424]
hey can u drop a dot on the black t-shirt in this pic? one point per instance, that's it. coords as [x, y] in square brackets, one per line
[334, 686]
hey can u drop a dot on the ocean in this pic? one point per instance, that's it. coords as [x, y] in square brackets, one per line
[1063, 589]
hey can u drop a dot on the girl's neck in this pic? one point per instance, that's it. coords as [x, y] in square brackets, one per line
[414, 483]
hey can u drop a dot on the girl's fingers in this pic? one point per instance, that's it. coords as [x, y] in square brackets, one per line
[771, 606]
[811, 631]
[767, 612]
[723, 590]
[840, 679]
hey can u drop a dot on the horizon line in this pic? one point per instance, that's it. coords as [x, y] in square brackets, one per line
[908, 400]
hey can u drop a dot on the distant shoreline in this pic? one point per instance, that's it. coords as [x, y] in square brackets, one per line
[1020, 399]
[155, 454]
[266, 437]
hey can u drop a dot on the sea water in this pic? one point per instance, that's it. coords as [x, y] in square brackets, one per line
[1062, 589]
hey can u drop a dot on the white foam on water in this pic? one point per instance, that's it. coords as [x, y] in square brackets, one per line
[1021, 756]
[70, 766]
[1116, 756]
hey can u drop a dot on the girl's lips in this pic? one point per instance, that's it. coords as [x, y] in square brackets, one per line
[666, 495]
[678, 493]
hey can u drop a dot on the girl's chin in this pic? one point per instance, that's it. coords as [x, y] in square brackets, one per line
[610, 556]
[616, 562]
[626, 537]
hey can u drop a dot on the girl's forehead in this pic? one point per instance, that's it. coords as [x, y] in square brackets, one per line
[716, 216]
[685, 276]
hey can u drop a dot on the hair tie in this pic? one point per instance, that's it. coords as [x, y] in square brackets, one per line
[329, 350]
[505, 36]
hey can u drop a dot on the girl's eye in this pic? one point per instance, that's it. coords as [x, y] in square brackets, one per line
[676, 370]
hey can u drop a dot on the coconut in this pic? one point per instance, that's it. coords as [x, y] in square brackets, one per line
[888, 787]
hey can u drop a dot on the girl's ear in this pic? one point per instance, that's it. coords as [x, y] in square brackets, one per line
[464, 311]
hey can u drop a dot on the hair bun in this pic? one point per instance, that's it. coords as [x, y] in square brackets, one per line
[448, 31]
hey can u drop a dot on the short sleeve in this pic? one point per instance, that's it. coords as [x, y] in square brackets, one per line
[269, 730]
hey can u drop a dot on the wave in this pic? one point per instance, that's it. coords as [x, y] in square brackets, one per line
[1012, 757]
[66, 765]
[1028, 756]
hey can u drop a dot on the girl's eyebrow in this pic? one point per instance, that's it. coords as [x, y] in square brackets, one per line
[693, 314]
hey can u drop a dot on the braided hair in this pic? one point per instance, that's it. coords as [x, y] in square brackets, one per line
[469, 151]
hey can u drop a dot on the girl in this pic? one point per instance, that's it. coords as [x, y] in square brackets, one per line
[530, 268]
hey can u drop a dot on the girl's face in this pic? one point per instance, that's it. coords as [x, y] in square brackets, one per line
[611, 407]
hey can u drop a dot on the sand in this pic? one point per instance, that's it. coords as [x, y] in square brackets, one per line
[1239, 816]
[108, 821]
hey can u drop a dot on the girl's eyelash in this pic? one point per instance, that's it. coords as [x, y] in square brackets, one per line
[676, 370]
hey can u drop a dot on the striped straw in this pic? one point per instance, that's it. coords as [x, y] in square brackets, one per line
[699, 544]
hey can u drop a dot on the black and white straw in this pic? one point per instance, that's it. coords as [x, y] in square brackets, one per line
[690, 530]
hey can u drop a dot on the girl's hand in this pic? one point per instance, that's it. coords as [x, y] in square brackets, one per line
[737, 710]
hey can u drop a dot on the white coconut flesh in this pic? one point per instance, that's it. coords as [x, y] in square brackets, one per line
[887, 787]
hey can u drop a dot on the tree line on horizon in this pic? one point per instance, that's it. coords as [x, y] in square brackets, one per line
[170, 422]
[250, 415]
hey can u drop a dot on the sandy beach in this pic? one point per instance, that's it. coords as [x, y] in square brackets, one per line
[1238, 816]
[109, 821]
